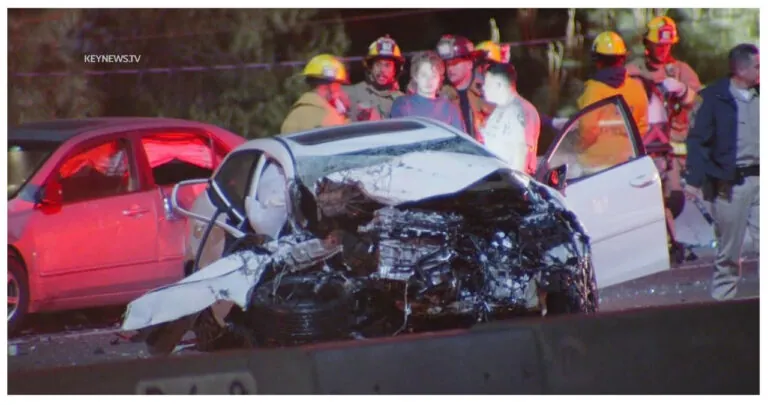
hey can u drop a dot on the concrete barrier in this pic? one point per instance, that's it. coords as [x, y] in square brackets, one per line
[694, 349]
[497, 362]
[688, 349]
[235, 372]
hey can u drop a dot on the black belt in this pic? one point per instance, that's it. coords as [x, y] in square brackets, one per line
[746, 171]
[658, 148]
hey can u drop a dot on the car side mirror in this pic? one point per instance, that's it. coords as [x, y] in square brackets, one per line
[51, 195]
[556, 177]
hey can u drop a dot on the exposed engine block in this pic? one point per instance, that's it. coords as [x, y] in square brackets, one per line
[500, 259]
[412, 241]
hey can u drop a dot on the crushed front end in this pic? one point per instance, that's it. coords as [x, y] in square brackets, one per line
[369, 264]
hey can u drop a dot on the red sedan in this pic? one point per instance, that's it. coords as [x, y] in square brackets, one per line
[89, 218]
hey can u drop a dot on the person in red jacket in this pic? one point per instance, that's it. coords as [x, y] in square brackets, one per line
[672, 86]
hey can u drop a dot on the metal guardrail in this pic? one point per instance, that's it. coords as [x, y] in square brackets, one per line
[691, 349]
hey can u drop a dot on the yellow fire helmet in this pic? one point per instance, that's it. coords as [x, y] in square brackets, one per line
[662, 30]
[609, 43]
[384, 47]
[492, 51]
[328, 67]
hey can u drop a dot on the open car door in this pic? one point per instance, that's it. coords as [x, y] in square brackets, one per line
[614, 188]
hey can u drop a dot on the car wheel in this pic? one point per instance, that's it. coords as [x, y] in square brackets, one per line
[297, 309]
[18, 293]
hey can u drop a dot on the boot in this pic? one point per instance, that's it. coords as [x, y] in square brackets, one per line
[676, 253]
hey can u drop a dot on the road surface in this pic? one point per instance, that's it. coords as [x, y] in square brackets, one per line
[104, 343]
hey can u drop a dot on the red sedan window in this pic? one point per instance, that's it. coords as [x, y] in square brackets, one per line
[189, 148]
[178, 156]
[97, 172]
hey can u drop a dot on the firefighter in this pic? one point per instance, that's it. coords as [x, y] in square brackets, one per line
[657, 145]
[326, 104]
[671, 86]
[675, 81]
[372, 98]
[672, 82]
[603, 144]
[462, 88]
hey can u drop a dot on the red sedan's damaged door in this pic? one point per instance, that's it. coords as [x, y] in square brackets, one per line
[103, 236]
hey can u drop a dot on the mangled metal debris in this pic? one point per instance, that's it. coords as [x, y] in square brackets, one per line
[379, 256]
[230, 279]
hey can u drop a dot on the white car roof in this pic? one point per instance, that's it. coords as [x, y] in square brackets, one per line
[364, 135]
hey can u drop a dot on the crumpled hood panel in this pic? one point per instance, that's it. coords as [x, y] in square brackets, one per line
[421, 175]
[230, 278]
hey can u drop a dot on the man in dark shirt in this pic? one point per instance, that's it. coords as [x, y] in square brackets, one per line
[462, 89]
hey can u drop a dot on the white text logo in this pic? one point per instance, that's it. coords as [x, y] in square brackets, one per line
[101, 58]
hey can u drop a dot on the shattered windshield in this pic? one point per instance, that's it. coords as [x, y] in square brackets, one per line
[311, 168]
[24, 159]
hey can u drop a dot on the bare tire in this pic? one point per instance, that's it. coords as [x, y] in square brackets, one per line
[18, 294]
[298, 312]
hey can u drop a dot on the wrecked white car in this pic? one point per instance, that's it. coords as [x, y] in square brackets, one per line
[378, 228]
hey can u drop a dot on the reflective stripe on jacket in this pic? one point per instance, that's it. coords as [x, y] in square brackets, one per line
[604, 140]
[684, 73]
